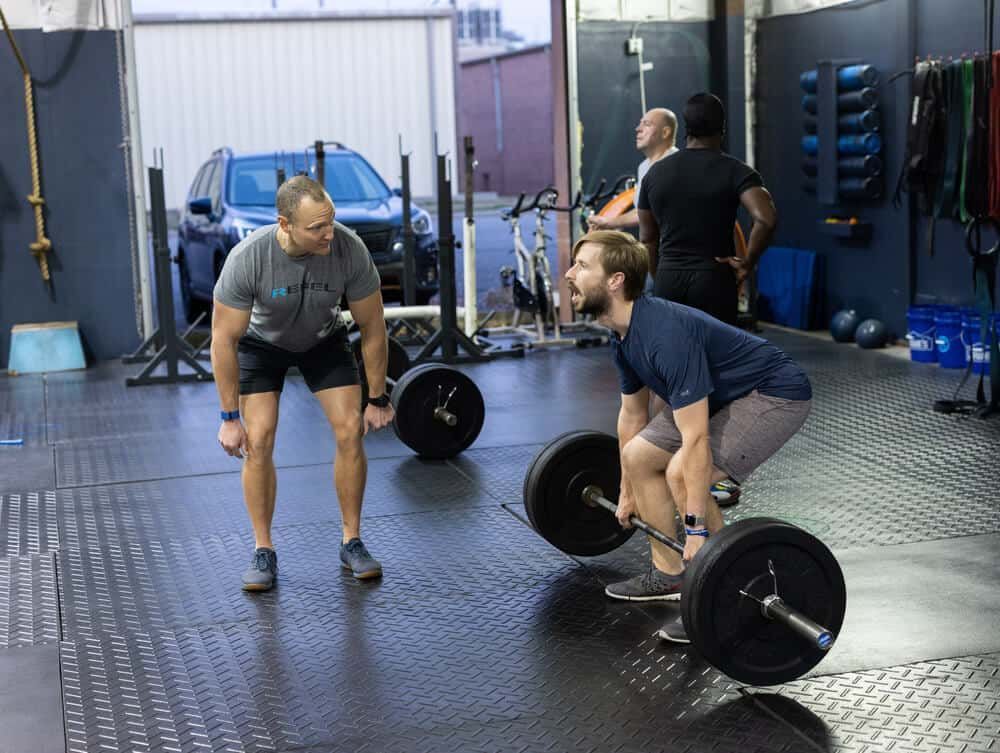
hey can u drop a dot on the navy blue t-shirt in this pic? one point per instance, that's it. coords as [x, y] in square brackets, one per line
[683, 355]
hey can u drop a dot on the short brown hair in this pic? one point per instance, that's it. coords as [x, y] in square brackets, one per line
[292, 191]
[620, 252]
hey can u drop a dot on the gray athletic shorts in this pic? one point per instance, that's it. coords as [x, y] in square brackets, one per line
[742, 435]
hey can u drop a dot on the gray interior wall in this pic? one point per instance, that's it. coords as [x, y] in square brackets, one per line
[610, 104]
[735, 97]
[873, 277]
[880, 278]
[79, 127]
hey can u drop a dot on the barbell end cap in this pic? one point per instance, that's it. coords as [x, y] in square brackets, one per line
[825, 640]
[590, 493]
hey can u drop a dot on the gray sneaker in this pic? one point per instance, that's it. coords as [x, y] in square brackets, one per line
[674, 632]
[354, 556]
[650, 586]
[262, 571]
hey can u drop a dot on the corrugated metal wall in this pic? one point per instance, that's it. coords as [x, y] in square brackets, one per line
[281, 84]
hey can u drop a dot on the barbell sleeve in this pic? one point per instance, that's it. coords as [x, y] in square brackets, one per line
[442, 414]
[593, 495]
[775, 608]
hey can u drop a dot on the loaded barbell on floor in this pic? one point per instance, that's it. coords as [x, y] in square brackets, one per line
[439, 410]
[762, 601]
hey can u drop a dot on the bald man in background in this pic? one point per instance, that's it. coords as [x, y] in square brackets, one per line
[654, 137]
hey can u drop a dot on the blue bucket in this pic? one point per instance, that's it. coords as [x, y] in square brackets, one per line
[920, 323]
[950, 351]
[979, 351]
[970, 335]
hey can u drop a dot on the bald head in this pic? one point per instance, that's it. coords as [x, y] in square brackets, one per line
[656, 131]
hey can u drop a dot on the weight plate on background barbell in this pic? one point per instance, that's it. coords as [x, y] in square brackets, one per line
[439, 411]
[397, 365]
[553, 487]
[730, 630]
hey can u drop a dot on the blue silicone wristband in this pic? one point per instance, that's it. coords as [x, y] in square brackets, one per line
[231, 415]
[696, 532]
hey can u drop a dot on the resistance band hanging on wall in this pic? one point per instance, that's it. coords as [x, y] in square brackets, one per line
[42, 245]
[970, 192]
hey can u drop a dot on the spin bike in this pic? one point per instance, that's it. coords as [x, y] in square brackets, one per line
[531, 281]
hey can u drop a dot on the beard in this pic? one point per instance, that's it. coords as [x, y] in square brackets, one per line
[594, 303]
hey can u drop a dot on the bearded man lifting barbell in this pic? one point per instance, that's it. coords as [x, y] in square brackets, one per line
[732, 400]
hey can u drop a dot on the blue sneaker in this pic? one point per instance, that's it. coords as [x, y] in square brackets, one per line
[262, 572]
[354, 556]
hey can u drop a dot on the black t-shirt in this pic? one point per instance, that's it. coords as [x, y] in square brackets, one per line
[694, 196]
[683, 355]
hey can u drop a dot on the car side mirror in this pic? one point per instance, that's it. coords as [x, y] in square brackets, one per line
[201, 205]
[397, 192]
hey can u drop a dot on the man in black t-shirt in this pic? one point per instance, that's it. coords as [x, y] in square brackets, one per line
[687, 210]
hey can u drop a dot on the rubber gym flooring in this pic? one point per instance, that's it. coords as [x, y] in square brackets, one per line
[123, 537]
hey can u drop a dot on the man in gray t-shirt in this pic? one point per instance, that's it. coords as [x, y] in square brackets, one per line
[277, 305]
[654, 137]
[294, 301]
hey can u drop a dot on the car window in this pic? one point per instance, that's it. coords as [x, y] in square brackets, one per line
[352, 179]
[253, 180]
[214, 185]
[199, 181]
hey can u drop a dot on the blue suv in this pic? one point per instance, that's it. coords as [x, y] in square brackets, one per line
[232, 195]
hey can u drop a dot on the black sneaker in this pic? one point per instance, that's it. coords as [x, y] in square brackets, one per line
[674, 632]
[725, 492]
[650, 586]
[354, 556]
[262, 571]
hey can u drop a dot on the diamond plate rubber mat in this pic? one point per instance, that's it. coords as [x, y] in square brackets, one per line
[183, 508]
[26, 427]
[150, 585]
[24, 393]
[499, 471]
[481, 636]
[28, 524]
[525, 654]
[142, 458]
[932, 707]
[29, 612]
[26, 469]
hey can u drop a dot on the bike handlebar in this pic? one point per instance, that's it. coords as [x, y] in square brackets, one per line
[513, 211]
[544, 199]
[600, 195]
[577, 203]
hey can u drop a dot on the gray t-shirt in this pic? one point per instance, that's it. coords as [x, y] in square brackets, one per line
[295, 301]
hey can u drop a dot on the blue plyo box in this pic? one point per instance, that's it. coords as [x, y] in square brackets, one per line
[47, 346]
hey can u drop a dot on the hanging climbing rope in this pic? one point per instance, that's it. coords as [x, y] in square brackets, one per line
[42, 245]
